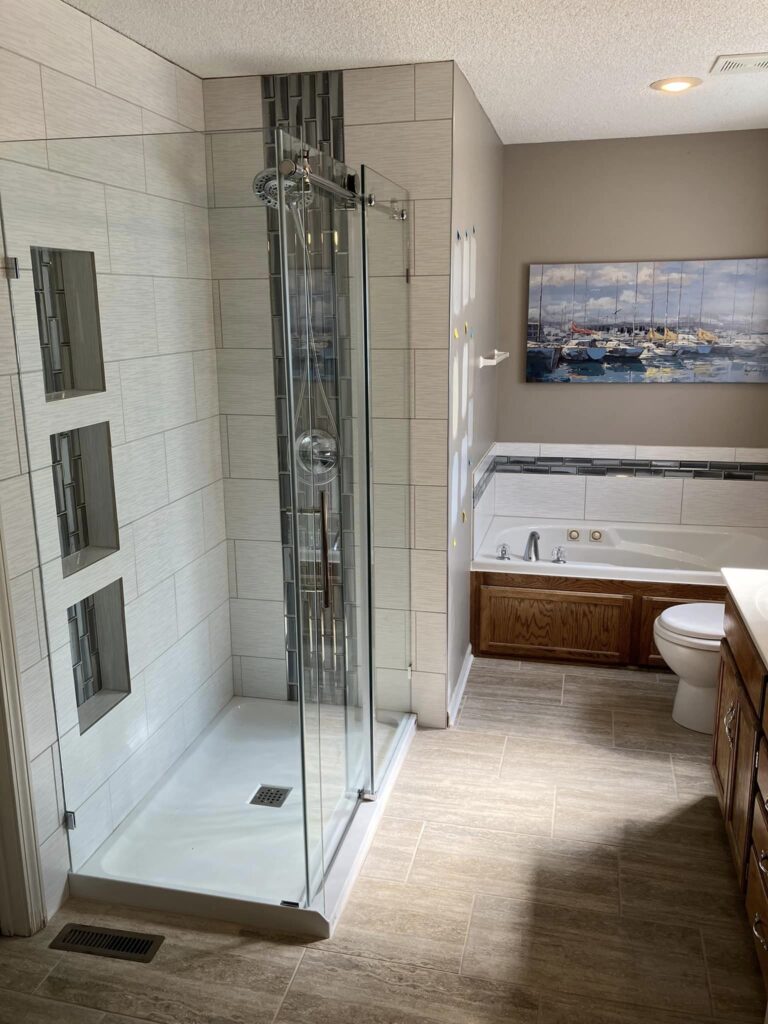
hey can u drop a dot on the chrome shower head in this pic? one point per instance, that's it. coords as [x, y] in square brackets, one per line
[266, 188]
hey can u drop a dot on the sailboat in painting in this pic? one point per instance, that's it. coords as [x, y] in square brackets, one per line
[674, 321]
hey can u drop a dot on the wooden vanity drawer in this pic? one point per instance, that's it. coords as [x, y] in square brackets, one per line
[747, 659]
[757, 912]
[762, 769]
[760, 841]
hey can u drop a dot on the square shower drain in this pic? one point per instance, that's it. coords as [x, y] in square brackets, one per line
[270, 796]
[87, 938]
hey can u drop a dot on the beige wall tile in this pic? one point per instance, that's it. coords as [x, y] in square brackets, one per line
[184, 310]
[252, 447]
[391, 516]
[141, 480]
[391, 578]
[430, 642]
[175, 675]
[376, 95]
[176, 167]
[37, 708]
[428, 699]
[634, 500]
[434, 91]
[54, 864]
[25, 624]
[264, 677]
[9, 443]
[116, 161]
[44, 798]
[429, 312]
[390, 379]
[198, 241]
[189, 98]
[429, 452]
[146, 234]
[391, 451]
[259, 568]
[206, 386]
[432, 234]
[391, 638]
[193, 453]
[552, 497]
[725, 503]
[252, 509]
[131, 71]
[246, 314]
[201, 587]
[167, 540]
[236, 157]
[50, 32]
[429, 582]
[74, 109]
[431, 384]
[431, 517]
[390, 297]
[232, 103]
[168, 405]
[415, 155]
[21, 117]
[258, 629]
[18, 526]
[127, 314]
[239, 243]
[246, 381]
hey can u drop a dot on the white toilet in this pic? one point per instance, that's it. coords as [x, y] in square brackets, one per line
[688, 638]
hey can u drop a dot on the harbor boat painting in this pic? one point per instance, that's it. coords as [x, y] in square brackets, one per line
[671, 321]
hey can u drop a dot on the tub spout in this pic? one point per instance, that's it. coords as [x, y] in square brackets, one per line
[531, 553]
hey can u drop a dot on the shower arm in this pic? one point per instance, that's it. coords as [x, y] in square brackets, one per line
[290, 169]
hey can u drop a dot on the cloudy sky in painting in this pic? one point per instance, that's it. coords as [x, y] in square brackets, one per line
[730, 294]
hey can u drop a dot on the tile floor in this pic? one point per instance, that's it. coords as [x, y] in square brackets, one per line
[558, 858]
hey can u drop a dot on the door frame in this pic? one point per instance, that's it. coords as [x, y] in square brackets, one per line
[22, 903]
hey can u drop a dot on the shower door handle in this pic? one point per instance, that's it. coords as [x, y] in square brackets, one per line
[324, 550]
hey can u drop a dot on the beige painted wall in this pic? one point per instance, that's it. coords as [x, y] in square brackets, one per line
[668, 197]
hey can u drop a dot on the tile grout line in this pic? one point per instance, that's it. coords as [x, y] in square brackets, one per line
[288, 986]
[466, 935]
[415, 851]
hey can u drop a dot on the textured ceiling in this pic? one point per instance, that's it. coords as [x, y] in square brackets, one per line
[544, 70]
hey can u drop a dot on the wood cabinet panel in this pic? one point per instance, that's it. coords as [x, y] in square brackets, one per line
[751, 668]
[738, 818]
[757, 912]
[762, 770]
[580, 626]
[760, 838]
[650, 609]
[725, 727]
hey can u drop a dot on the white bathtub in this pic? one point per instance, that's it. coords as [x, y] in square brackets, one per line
[627, 551]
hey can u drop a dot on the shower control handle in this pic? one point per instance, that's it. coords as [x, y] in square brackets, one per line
[324, 549]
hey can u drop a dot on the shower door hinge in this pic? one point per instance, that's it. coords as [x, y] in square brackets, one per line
[70, 822]
[11, 267]
[407, 275]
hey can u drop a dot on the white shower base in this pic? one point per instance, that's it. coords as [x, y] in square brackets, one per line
[198, 833]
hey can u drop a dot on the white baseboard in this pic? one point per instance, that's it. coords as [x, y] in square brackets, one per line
[458, 693]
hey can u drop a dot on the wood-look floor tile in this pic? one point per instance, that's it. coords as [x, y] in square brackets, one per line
[24, 964]
[392, 849]
[692, 882]
[566, 763]
[22, 1008]
[693, 775]
[629, 818]
[523, 867]
[641, 691]
[558, 949]
[116, 986]
[655, 730]
[734, 975]
[436, 793]
[333, 989]
[457, 748]
[492, 679]
[409, 924]
[519, 718]
[556, 1009]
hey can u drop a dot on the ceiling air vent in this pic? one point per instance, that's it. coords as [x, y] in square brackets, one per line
[737, 63]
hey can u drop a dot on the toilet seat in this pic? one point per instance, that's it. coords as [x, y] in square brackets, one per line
[698, 626]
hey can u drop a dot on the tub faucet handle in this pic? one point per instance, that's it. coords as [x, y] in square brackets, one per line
[504, 553]
[558, 554]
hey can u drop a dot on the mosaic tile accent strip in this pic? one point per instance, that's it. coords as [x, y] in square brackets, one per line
[569, 466]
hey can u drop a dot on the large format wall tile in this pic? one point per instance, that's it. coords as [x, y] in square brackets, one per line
[258, 629]
[201, 587]
[169, 404]
[184, 312]
[232, 103]
[127, 314]
[22, 117]
[50, 32]
[175, 167]
[238, 243]
[415, 154]
[634, 500]
[136, 74]
[176, 674]
[552, 497]
[147, 235]
[114, 161]
[378, 95]
[74, 109]
[194, 456]
[434, 91]
[141, 480]
[167, 540]
[246, 314]
[725, 503]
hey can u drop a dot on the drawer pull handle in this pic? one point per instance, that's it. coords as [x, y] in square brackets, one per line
[757, 931]
[761, 863]
[728, 722]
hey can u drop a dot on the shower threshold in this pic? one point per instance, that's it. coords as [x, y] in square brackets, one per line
[197, 845]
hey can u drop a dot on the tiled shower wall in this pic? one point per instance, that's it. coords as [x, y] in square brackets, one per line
[398, 121]
[140, 205]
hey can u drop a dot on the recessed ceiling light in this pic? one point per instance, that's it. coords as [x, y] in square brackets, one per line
[675, 84]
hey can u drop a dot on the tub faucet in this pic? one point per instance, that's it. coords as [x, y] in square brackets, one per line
[504, 553]
[531, 553]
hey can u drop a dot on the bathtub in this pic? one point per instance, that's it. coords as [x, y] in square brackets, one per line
[627, 551]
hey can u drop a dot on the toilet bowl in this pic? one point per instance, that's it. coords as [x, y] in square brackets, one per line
[688, 638]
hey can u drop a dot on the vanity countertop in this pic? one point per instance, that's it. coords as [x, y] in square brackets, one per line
[749, 589]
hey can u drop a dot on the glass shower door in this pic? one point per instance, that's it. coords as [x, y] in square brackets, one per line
[327, 444]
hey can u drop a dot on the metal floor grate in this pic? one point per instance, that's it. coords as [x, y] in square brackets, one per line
[270, 796]
[86, 938]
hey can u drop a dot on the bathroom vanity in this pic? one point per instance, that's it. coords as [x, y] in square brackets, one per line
[740, 743]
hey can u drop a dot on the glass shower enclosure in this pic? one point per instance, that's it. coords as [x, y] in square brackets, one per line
[216, 759]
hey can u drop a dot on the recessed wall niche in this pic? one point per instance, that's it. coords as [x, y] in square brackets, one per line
[81, 463]
[67, 303]
[99, 653]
